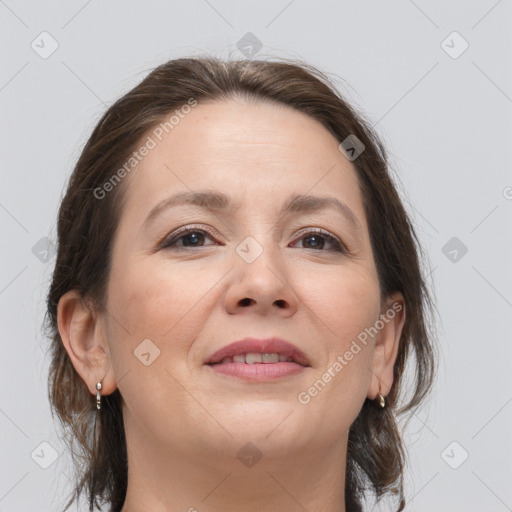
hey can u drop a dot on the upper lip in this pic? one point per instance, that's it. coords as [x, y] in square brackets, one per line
[260, 346]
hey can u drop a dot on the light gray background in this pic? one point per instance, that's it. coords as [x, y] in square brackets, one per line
[447, 124]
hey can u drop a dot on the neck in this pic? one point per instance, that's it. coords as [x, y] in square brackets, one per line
[311, 479]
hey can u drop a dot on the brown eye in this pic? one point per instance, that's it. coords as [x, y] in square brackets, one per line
[317, 240]
[191, 237]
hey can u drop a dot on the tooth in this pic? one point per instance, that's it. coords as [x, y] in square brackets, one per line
[252, 357]
[270, 358]
[282, 358]
[226, 360]
[239, 358]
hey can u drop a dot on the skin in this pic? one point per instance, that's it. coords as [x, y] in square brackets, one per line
[184, 422]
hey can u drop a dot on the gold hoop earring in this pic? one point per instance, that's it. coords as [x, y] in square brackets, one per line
[382, 399]
[98, 396]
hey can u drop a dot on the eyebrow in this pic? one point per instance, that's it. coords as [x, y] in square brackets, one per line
[220, 202]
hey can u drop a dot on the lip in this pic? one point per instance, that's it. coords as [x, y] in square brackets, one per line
[258, 371]
[268, 345]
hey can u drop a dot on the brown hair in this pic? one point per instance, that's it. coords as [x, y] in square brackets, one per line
[86, 228]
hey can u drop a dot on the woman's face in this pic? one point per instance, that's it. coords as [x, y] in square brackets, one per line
[250, 268]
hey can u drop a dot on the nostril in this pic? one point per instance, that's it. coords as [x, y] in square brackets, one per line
[280, 303]
[246, 302]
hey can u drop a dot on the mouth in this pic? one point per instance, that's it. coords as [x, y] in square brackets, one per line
[256, 357]
[259, 359]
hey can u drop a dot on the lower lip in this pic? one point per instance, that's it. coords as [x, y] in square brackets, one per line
[258, 371]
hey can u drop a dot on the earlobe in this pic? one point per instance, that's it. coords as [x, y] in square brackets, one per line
[392, 320]
[82, 336]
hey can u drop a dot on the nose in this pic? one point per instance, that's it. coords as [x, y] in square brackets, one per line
[262, 286]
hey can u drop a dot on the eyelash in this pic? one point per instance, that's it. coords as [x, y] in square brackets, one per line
[169, 242]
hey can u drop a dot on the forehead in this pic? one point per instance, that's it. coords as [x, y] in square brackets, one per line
[253, 149]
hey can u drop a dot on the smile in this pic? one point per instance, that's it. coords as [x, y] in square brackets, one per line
[255, 357]
[254, 366]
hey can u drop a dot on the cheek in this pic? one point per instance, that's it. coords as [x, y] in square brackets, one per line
[346, 300]
[343, 307]
[159, 301]
[153, 299]
[155, 314]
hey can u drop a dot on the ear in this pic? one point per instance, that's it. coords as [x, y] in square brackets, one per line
[82, 332]
[392, 317]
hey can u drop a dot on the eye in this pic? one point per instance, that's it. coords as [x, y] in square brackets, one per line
[190, 237]
[317, 239]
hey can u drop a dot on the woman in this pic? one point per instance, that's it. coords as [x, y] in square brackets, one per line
[236, 293]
